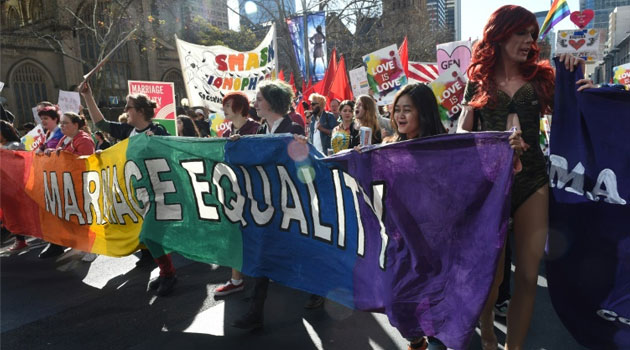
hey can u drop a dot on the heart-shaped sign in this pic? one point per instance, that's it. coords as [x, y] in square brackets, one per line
[460, 57]
[577, 43]
[582, 18]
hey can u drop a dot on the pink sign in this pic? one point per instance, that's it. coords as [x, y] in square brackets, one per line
[456, 53]
[162, 93]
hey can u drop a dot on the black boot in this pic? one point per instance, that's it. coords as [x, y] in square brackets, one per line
[51, 251]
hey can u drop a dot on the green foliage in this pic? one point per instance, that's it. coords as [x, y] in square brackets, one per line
[207, 34]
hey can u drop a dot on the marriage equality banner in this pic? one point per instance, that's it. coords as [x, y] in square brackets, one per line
[456, 53]
[417, 242]
[580, 43]
[210, 72]
[588, 263]
[385, 74]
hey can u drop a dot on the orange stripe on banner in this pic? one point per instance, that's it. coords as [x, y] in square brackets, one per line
[56, 185]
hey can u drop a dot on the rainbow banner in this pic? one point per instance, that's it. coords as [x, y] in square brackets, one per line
[392, 229]
[558, 11]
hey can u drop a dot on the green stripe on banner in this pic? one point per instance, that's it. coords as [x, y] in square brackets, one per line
[199, 229]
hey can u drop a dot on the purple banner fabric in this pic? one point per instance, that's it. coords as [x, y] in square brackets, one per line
[588, 263]
[445, 213]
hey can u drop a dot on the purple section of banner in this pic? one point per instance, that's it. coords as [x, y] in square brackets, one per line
[445, 214]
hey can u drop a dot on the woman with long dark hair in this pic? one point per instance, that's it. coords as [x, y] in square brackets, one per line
[510, 88]
[186, 126]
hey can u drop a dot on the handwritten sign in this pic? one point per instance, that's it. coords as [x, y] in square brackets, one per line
[385, 74]
[359, 81]
[69, 101]
[579, 43]
[449, 91]
[1, 86]
[36, 117]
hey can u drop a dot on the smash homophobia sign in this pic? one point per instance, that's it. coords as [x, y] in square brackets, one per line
[210, 72]
[381, 230]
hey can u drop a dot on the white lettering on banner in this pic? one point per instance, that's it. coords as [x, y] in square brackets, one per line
[163, 211]
[235, 213]
[195, 169]
[606, 185]
[105, 201]
[613, 317]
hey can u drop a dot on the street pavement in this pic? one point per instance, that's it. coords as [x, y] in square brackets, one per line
[65, 303]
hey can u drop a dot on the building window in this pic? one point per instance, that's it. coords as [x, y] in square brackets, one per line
[175, 76]
[37, 10]
[13, 18]
[29, 87]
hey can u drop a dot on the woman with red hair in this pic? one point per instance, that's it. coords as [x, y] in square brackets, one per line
[509, 88]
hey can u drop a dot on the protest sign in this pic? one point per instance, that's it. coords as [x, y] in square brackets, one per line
[34, 138]
[69, 101]
[210, 72]
[351, 227]
[456, 53]
[449, 91]
[580, 43]
[621, 74]
[1, 86]
[359, 81]
[163, 93]
[385, 74]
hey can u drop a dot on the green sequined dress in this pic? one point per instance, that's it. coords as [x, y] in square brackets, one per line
[525, 102]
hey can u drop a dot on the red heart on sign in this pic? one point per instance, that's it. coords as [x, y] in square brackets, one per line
[582, 18]
[577, 43]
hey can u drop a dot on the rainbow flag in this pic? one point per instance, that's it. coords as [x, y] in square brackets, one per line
[393, 229]
[558, 11]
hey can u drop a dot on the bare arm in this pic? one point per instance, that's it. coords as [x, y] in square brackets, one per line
[95, 113]
[466, 119]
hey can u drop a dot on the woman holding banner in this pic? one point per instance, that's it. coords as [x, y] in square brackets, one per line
[510, 89]
[236, 110]
[140, 111]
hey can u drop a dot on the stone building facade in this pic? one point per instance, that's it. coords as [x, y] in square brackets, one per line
[34, 69]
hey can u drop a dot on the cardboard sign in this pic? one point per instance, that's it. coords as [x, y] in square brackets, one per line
[385, 74]
[359, 81]
[36, 117]
[449, 90]
[457, 53]
[1, 86]
[69, 101]
[621, 74]
[579, 43]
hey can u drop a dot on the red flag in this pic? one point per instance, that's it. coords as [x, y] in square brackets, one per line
[403, 51]
[281, 75]
[292, 83]
[330, 74]
[340, 87]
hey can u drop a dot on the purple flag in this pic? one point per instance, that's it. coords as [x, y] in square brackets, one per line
[446, 209]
